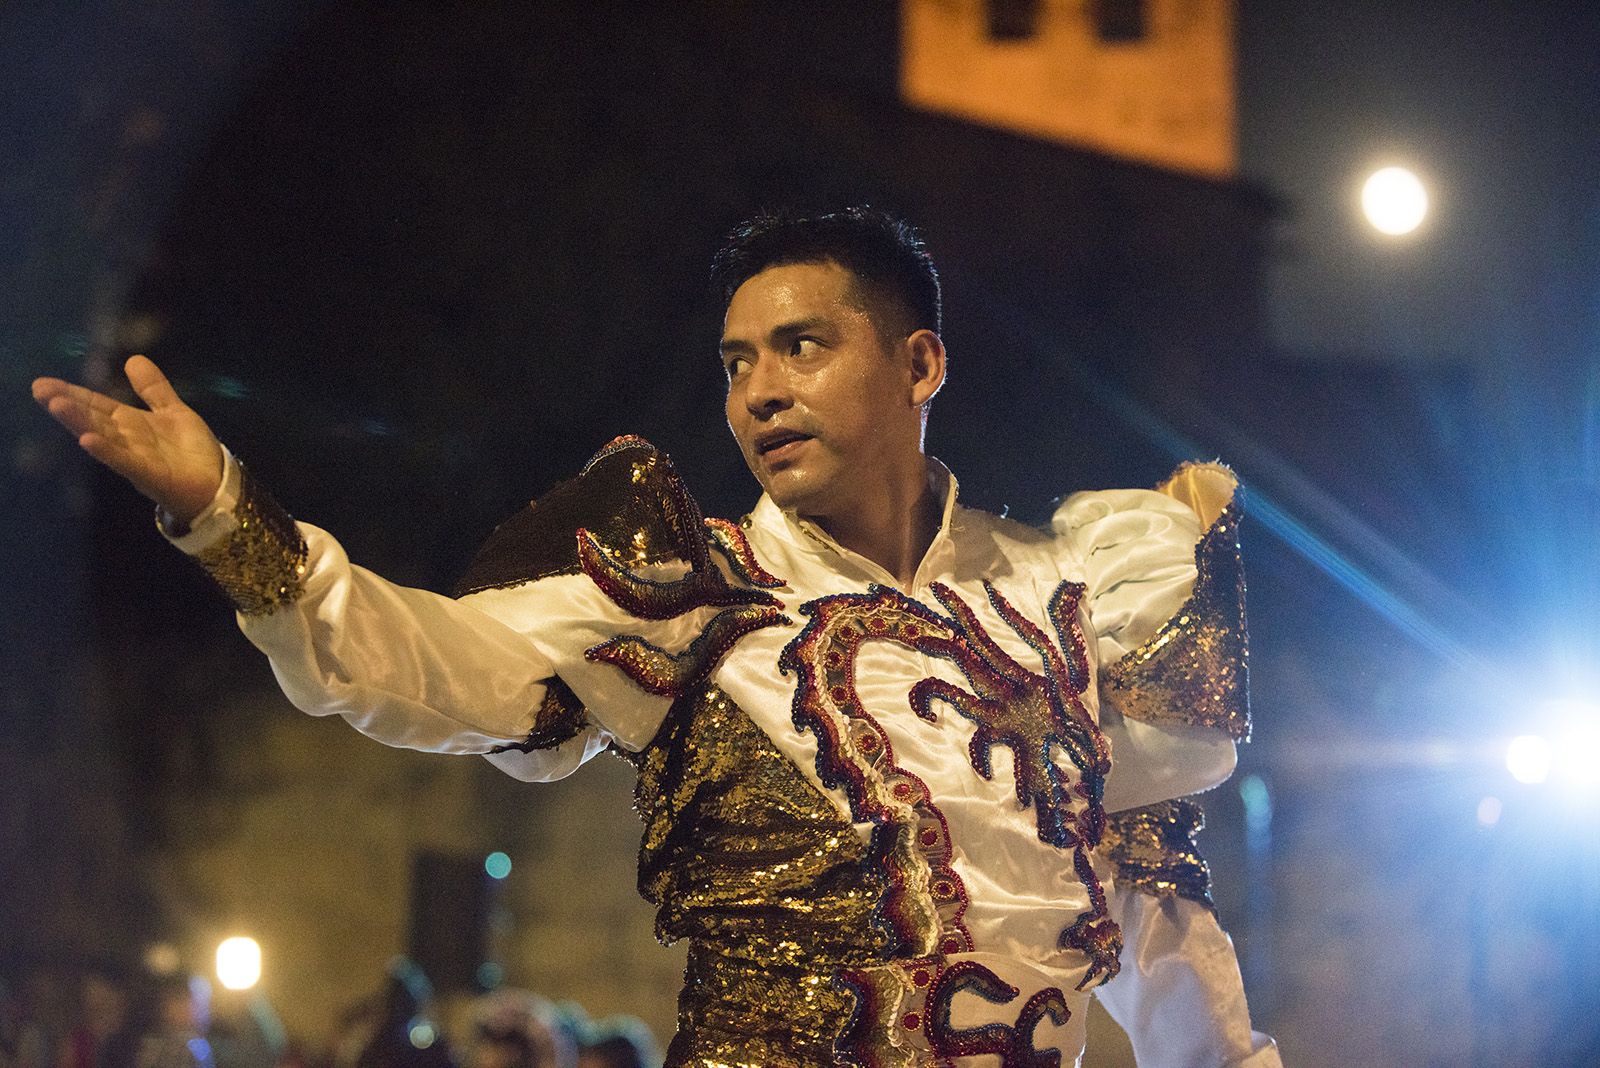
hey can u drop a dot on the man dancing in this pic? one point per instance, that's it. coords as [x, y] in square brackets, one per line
[908, 771]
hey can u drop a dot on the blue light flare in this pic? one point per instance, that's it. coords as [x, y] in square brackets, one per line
[1274, 518]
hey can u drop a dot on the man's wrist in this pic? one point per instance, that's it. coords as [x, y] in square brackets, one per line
[213, 521]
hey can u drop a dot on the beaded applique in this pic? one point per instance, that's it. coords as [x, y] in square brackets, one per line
[903, 1017]
[729, 539]
[1012, 1043]
[261, 565]
[923, 904]
[759, 870]
[1031, 714]
[613, 564]
[631, 501]
[623, 497]
[1035, 715]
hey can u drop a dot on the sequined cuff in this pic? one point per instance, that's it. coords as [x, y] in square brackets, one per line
[261, 563]
[1195, 669]
[560, 718]
[1154, 851]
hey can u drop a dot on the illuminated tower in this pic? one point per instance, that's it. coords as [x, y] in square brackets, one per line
[1146, 80]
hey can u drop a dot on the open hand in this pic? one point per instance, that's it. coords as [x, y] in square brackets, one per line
[166, 450]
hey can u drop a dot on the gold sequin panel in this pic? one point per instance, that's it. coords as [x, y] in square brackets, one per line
[261, 566]
[744, 857]
[1153, 849]
[628, 498]
[1195, 669]
[736, 1012]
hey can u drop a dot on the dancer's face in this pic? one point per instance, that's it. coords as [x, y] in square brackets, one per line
[820, 395]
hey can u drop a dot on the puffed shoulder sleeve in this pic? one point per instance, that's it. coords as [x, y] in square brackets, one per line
[1165, 595]
[1166, 599]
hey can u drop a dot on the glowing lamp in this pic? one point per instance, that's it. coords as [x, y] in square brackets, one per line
[239, 963]
[1394, 201]
[1528, 758]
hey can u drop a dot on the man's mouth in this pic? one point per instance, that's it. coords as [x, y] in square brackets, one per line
[777, 444]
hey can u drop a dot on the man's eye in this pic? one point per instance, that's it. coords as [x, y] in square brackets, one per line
[736, 366]
[803, 346]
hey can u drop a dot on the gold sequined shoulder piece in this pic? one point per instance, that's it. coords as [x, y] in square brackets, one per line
[1154, 851]
[1195, 669]
[261, 565]
[626, 498]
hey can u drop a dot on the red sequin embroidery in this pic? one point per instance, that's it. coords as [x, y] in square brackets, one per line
[729, 539]
[1013, 1043]
[912, 839]
[1035, 714]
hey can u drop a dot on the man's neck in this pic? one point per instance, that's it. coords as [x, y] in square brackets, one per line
[893, 527]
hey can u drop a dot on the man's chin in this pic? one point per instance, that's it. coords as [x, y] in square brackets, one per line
[792, 489]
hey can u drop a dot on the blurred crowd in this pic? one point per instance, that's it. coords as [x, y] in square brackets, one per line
[97, 1016]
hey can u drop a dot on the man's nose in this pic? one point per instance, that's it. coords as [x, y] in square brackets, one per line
[767, 389]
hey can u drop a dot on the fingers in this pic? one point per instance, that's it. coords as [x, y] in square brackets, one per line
[72, 414]
[151, 385]
[74, 407]
[114, 454]
[47, 390]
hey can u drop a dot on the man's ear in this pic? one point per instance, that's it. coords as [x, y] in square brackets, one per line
[926, 363]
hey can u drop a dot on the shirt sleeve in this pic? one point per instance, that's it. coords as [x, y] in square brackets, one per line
[409, 667]
[580, 621]
[1159, 569]
[1179, 997]
[1166, 600]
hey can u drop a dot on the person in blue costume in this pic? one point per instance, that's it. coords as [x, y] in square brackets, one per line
[913, 776]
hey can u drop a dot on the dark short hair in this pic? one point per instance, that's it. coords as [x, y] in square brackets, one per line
[884, 253]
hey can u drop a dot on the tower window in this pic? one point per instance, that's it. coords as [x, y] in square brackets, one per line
[1012, 20]
[1120, 21]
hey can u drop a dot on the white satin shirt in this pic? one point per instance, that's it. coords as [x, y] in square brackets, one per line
[418, 670]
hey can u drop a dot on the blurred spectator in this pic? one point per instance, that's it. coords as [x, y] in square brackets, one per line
[354, 1029]
[104, 1036]
[614, 1051]
[618, 1042]
[246, 1032]
[43, 1012]
[404, 1034]
[518, 1029]
[177, 1036]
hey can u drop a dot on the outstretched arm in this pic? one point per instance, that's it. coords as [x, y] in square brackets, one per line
[165, 450]
[405, 666]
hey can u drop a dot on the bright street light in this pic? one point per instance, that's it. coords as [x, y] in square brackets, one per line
[1394, 201]
[238, 963]
[1528, 758]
